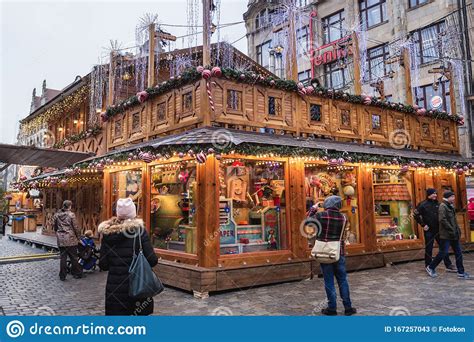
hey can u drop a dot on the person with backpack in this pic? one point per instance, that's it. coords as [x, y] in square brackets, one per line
[117, 250]
[68, 234]
[450, 234]
[331, 223]
[426, 215]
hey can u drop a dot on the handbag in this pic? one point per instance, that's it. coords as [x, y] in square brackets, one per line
[143, 282]
[328, 252]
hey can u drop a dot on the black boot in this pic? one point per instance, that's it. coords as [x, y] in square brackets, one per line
[329, 312]
[350, 311]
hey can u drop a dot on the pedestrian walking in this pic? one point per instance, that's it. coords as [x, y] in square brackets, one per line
[116, 254]
[67, 234]
[449, 233]
[426, 214]
[331, 224]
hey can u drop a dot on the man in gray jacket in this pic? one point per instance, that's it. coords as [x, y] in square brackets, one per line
[68, 234]
[449, 234]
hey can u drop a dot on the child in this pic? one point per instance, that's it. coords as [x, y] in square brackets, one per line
[86, 249]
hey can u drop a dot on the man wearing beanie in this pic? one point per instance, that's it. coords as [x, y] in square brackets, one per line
[331, 223]
[426, 214]
[449, 233]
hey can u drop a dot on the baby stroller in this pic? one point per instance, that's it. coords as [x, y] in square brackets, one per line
[88, 255]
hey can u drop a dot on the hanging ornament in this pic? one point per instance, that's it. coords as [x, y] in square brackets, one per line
[367, 100]
[63, 182]
[216, 71]
[300, 85]
[333, 162]
[142, 96]
[206, 74]
[421, 111]
[181, 155]
[460, 171]
[404, 169]
[341, 161]
[302, 91]
[309, 89]
[200, 69]
[147, 157]
[218, 156]
[201, 157]
[272, 83]
[210, 151]
[191, 153]
[183, 176]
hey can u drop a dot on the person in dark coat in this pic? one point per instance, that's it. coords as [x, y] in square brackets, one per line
[450, 234]
[426, 214]
[67, 234]
[332, 222]
[116, 253]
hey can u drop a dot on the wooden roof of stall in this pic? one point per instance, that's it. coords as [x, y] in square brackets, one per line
[207, 136]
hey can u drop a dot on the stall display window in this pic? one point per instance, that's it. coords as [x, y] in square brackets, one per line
[322, 181]
[393, 198]
[252, 206]
[127, 183]
[173, 206]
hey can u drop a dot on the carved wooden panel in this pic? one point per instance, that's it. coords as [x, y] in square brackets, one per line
[310, 121]
[344, 119]
[136, 123]
[445, 134]
[376, 124]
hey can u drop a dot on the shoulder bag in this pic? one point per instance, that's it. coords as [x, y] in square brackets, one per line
[328, 252]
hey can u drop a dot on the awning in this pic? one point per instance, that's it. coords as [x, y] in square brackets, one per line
[220, 136]
[36, 156]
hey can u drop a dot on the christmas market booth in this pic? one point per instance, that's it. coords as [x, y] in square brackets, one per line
[223, 166]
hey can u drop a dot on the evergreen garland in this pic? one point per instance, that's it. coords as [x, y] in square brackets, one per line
[249, 77]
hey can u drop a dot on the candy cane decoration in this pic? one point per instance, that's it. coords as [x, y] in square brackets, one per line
[209, 94]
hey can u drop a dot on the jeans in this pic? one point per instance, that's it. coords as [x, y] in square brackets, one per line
[70, 251]
[444, 250]
[430, 238]
[337, 269]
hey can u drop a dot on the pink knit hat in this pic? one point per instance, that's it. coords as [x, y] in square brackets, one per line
[126, 209]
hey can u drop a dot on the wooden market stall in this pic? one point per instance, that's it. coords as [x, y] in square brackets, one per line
[223, 179]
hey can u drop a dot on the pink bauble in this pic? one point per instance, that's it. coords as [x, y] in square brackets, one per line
[216, 72]
[142, 96]
[218, 157]
[333, 162]
[63, 182]
[341, 161]
[300, 85]
[460, 171]
[181, 155]
[404, 169]
[242, 76]
[104, 117]
[210, 150]
[302, 91]
[200, 69]
[421, 111]
[309, 89]
[272, 82]
[206, 74]
[367, 100]
[100, 166]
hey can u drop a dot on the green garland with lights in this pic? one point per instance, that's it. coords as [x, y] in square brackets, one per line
[249, 77]
[91, 132]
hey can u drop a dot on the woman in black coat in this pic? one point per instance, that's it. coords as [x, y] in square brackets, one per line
[116, 253]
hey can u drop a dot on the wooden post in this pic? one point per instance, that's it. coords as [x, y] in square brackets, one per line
[408, 86]
[151, 55]
[207, 212]
[110, 100]
[206, 32]
[297, 209]
[292, 55]
[355, 53]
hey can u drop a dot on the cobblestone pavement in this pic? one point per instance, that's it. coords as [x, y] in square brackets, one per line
[34, 288]
[12, 248]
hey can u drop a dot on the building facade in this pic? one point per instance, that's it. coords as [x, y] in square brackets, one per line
[325, 49]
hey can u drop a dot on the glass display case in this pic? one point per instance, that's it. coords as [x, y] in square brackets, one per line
[322, 181]
[127, 183]
[252, 206]
[173, 206]
[394, 200]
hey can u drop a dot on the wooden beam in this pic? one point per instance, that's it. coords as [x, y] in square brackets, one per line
[355, 53]
[206, 32]
[408, 85]
[151, 55]
[292, 54]
[207, 214]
